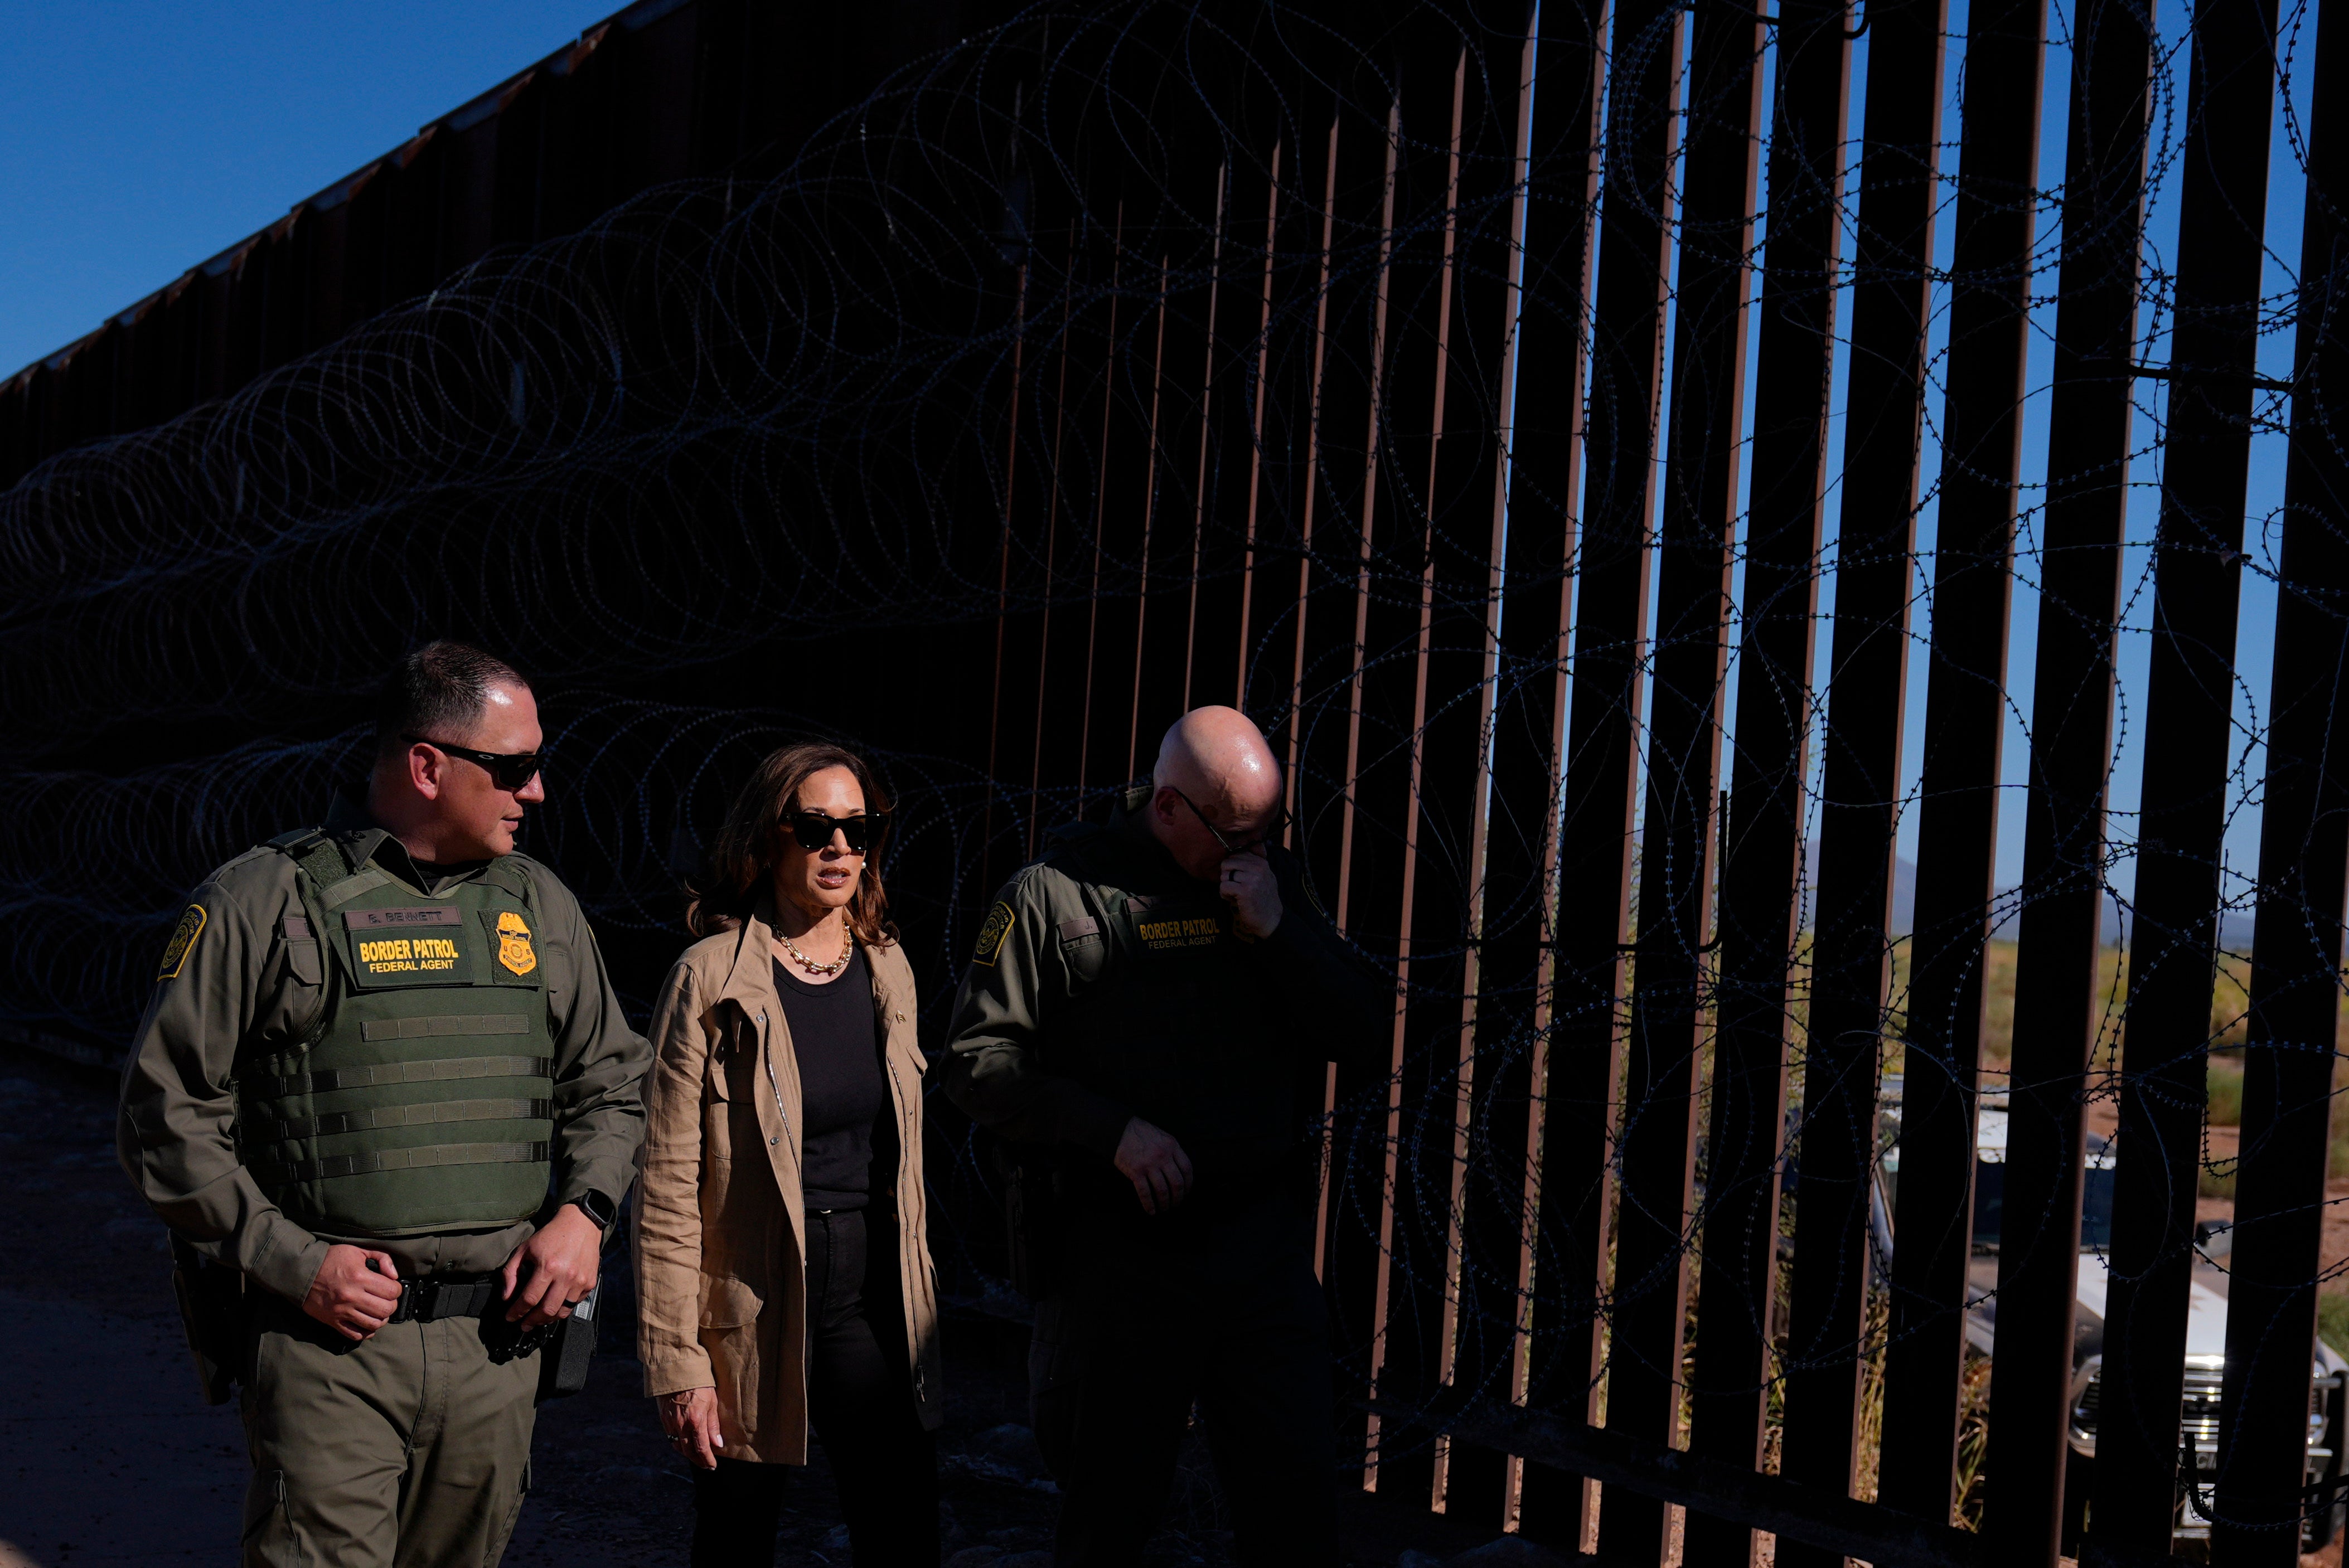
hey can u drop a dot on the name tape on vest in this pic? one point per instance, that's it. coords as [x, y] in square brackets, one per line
[401, 919]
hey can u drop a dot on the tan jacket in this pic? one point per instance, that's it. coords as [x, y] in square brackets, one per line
[721, 1273]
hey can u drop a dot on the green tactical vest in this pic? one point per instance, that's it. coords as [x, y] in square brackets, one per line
[421, 1098]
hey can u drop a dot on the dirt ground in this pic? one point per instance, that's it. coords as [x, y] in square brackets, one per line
[108, 1455]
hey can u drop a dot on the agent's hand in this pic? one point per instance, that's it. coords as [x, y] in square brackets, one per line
[1151, 1159]
[564, 1255]
[689, 1416]
[1248, 885]
[354, 1291]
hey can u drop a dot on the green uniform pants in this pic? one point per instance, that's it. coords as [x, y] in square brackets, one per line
[407, 1449]
[1153, 1318]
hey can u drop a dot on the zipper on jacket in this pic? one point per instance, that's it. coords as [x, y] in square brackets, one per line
[768, 1056]
[908, 1272]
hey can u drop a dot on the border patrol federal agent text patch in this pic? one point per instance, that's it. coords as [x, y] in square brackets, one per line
[514, 944]
[175, 953]
[991, 934]
[417, 955]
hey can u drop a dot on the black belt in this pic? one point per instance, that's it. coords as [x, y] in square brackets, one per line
[429, 1300]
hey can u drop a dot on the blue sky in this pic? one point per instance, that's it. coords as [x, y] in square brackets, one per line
[2256, 635]
[2256, 630]
[138, 137]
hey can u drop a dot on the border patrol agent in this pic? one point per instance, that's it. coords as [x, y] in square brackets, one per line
[385, 1080]
[1141, 1020]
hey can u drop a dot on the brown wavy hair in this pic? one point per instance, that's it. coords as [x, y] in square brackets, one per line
[743, 859]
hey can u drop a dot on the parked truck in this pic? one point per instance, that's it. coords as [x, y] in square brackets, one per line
[2206, 1329]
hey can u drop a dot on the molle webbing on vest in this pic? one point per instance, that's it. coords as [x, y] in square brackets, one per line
[445, 1071]
[454, 1023]
[407, 1116]
[507, 872]
[314, 850]
[334, 1165]
[357, 1129]
[337, 895]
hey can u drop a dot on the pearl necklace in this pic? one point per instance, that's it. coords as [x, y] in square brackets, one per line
[847, 952]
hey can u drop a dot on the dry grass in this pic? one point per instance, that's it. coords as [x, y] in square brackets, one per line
[2226, 1091]
[2229, 998]
[1973, 1439]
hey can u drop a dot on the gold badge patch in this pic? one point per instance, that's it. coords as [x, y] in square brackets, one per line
[991, 934]
[514, 944]
[175, 953]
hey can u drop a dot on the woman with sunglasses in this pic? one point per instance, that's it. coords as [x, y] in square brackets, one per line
[784, 1266]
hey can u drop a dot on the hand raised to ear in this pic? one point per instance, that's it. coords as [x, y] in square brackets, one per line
[1248, 885]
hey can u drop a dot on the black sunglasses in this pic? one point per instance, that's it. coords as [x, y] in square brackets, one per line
[1263, 836]
[507, 770]
[813, 830]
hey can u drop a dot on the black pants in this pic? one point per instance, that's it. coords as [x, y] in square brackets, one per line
[1149, 1318]
[861, 1404]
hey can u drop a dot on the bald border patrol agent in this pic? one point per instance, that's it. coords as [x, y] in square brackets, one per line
[384, 1088]
[1142, 1020]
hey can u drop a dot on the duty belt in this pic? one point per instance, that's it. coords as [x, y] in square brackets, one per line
[429, 1300]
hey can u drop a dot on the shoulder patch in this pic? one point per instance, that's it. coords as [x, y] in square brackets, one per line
[991, 934]
[175, 953]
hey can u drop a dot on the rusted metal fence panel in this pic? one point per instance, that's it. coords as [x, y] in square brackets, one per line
[1763, 823]
[2259, 1490]
[2058, 1021]
[1703, 452]
[2189, 696]
[1835, 1139]
[1965, 718]
[1606, 674]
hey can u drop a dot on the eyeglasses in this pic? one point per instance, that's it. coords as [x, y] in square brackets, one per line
[509, 770]
[813, 830]
[1259, 840]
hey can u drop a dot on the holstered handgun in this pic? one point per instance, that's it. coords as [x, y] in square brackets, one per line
[563, 1363]
[212, 1309]
[569, 1347]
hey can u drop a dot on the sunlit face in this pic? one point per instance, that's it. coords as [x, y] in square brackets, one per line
[822, 880]
[472, 818]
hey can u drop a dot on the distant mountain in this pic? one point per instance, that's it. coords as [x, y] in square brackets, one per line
[1904, 888]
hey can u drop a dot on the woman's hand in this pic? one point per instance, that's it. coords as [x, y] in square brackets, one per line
[689, 1416]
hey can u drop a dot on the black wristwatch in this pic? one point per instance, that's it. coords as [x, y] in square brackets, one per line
[598, 1208]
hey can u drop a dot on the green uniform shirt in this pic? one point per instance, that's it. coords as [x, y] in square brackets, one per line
[1110, 983]
[226, 990]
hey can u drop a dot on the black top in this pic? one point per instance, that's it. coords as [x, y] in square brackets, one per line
[841, 1093]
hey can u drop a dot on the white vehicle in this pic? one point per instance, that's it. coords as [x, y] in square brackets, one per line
[2206, 1324]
